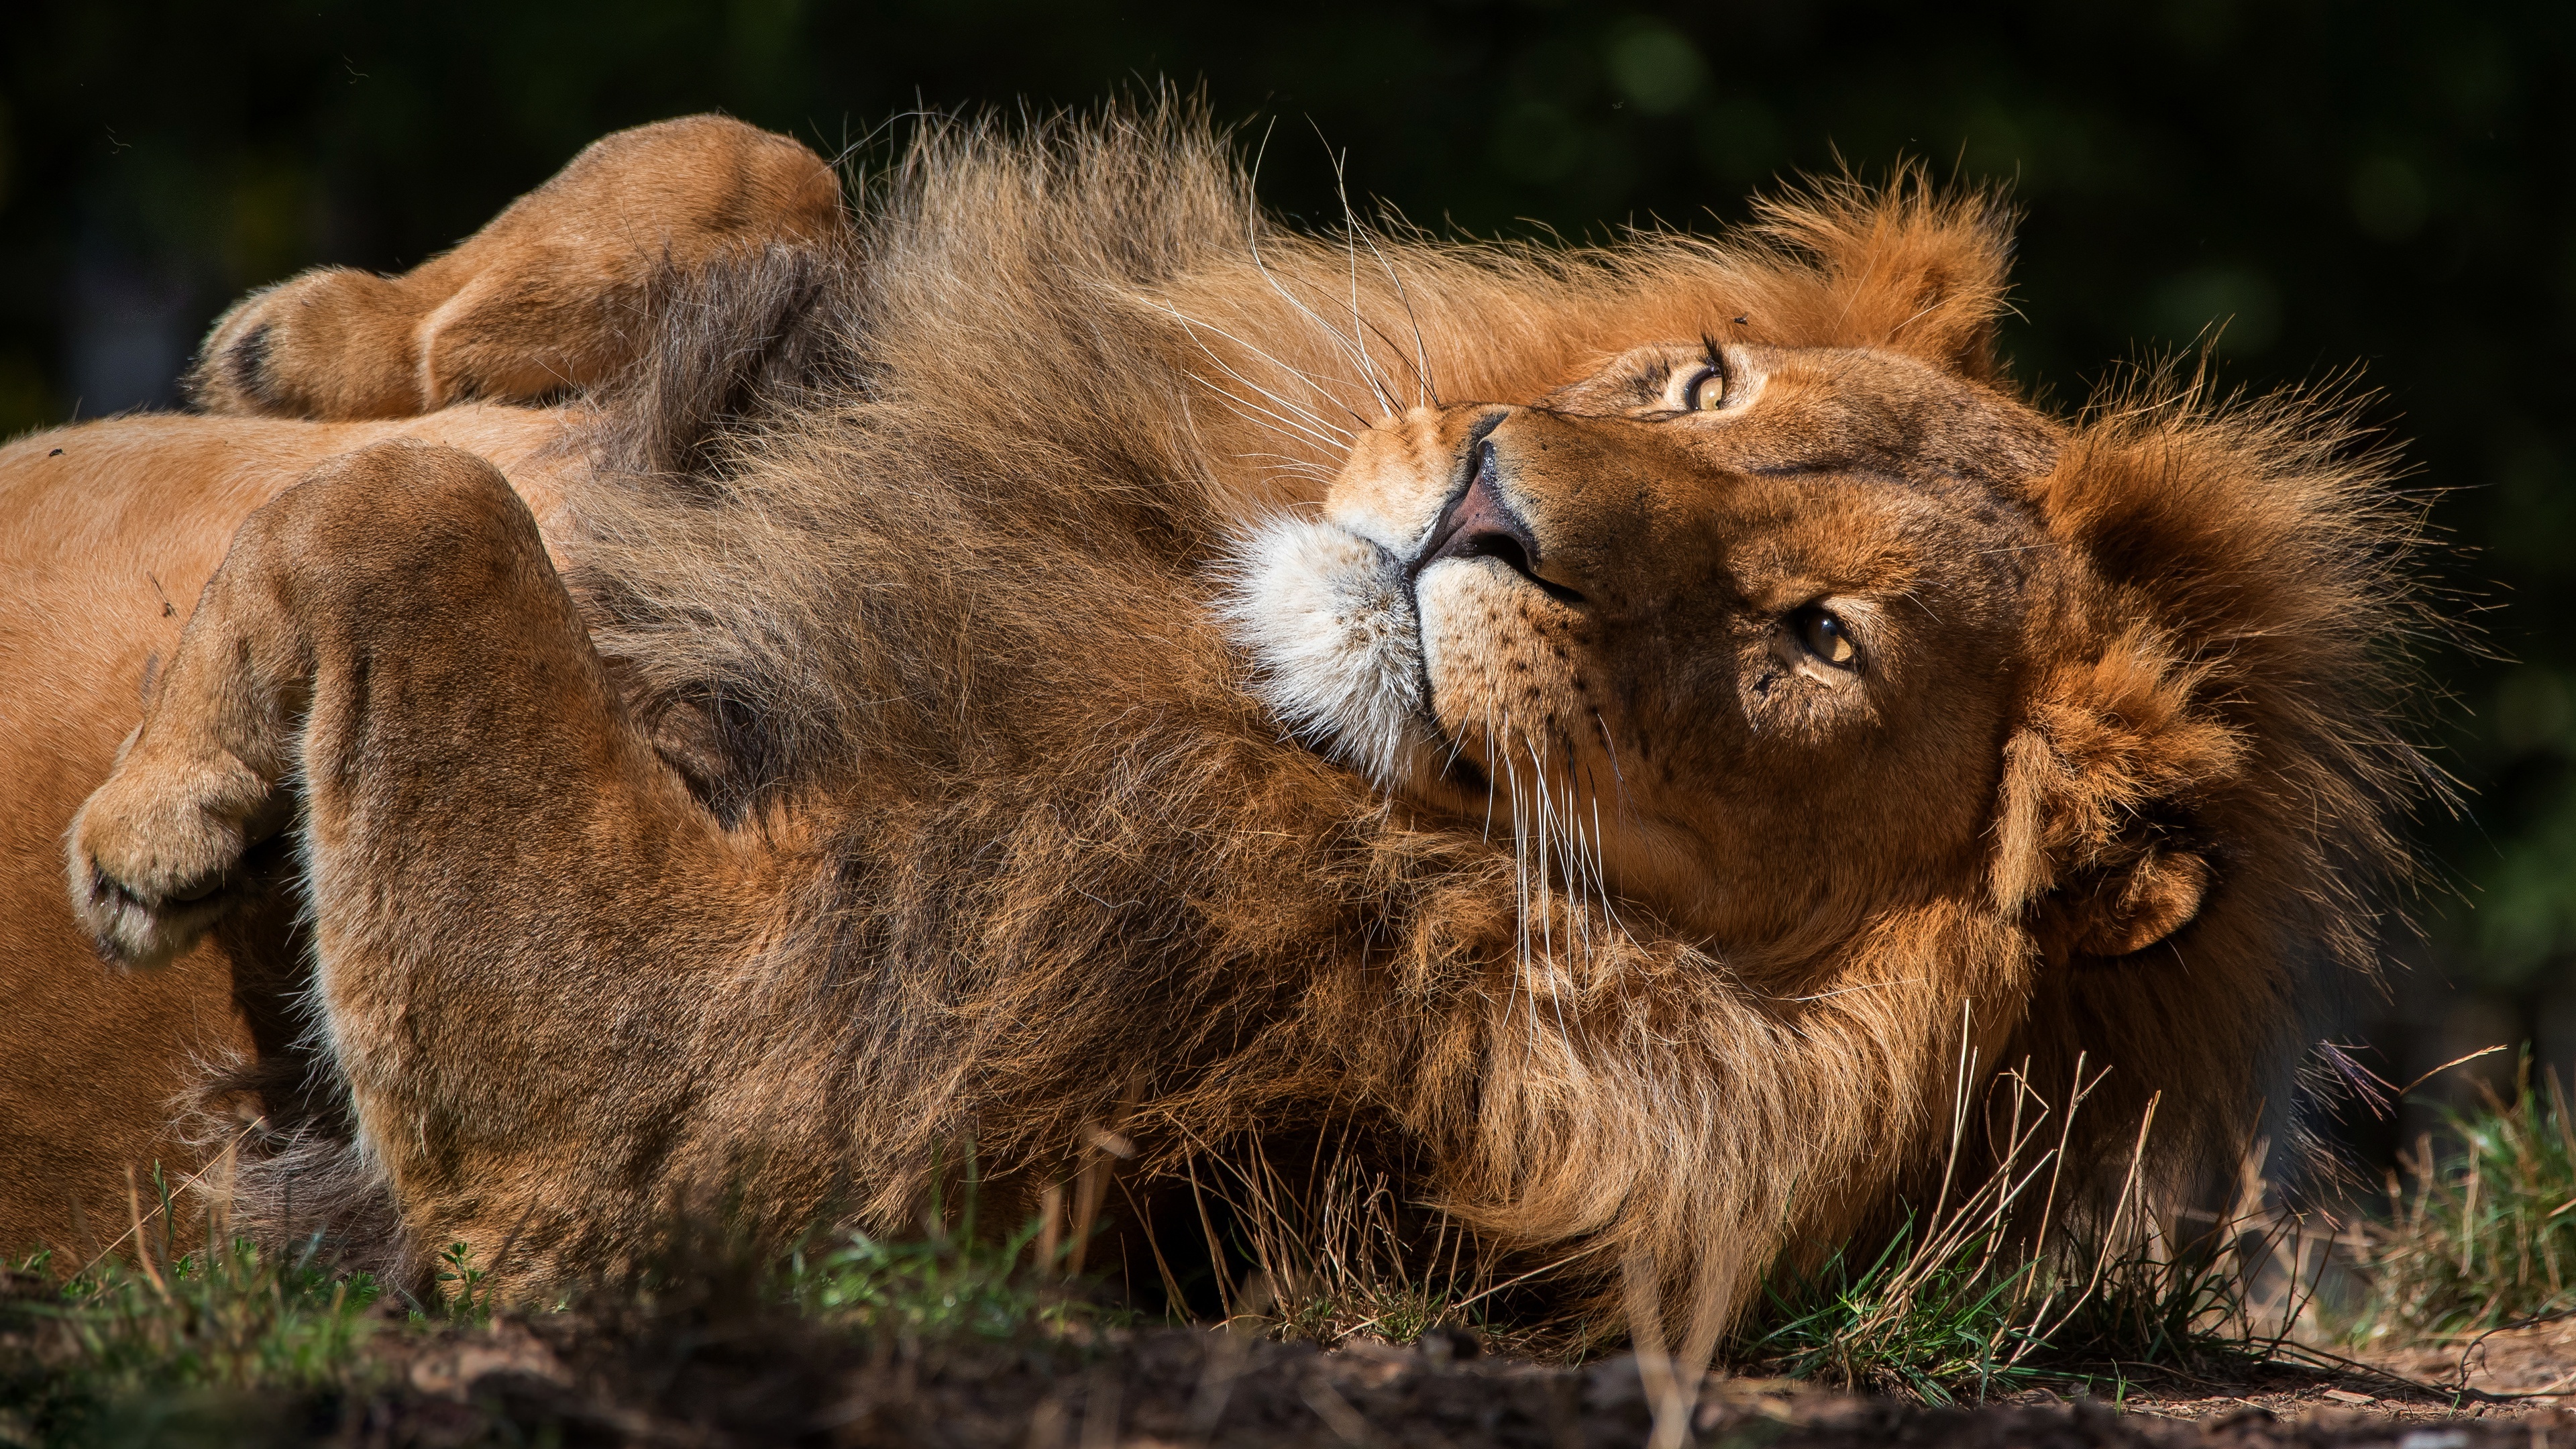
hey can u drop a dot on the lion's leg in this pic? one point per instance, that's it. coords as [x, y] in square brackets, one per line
[550, 295]
[527, 933]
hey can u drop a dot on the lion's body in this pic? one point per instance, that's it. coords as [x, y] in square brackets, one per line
[884, 774]
[107, 532]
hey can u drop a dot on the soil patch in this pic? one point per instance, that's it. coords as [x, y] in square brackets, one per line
[2536, 1359]
[581, 1379]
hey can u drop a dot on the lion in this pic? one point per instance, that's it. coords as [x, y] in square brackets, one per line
[710, 693]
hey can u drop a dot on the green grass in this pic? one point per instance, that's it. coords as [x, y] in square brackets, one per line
[1983, 1316]
[949, 1281]
[83, 1358]
[2480, 1228]
[1990, 1292]
[233, 1318]
[1984, 1294]
[943, 1285]
[212, 1345]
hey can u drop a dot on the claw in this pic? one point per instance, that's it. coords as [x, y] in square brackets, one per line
[198, 890]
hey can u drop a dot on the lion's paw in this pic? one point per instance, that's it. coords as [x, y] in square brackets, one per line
[334, 343]
[157, 853]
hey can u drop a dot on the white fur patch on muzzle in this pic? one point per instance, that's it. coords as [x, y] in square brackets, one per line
[1329, 619]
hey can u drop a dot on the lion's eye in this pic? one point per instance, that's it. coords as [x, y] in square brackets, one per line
[1705, 391]
[1825, 637]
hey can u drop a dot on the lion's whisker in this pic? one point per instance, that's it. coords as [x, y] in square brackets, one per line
[1284, 461]
[1539, 827]
[1422, 378]
[1286, 368]
[1521, 894]
[1260, 416]
[1307, 414]
[1359, 328]
[1303, 420]
[1554, 824]
[1245, 409]
[1489, 770]
[1423, 390]
[1593, 894]
[1420, 386]
[1260, 264]
[1192, 326]
[1609, 907]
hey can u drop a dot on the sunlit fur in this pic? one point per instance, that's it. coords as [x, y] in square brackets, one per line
[985, 616]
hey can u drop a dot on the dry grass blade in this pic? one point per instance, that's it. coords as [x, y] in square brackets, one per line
[1968, 1299]
[1333, 1252]
[2479, 1230]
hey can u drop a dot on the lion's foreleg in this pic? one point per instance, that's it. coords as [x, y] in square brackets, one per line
[551, 295]
[526, 932]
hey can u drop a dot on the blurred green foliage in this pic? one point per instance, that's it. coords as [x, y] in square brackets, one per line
[2478, 1232]
[2367, 183]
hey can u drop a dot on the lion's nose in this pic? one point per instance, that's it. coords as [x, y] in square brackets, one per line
[1481, 523]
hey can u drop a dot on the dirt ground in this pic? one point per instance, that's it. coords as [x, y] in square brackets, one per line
[721, 1381]
[2539, 1360]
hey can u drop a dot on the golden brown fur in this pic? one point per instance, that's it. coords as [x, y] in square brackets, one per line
[913, 752]
[106, 534]
[108, 531]
[572, 308]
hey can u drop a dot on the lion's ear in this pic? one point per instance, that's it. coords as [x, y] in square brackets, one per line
[2101, 846]
[1906, 266]
[2151, 895]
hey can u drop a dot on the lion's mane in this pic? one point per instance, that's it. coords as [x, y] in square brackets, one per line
[915, 552]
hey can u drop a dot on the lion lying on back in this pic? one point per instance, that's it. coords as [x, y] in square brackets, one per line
[1053, 652]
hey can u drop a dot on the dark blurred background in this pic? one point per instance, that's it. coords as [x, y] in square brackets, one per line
[2373, 185]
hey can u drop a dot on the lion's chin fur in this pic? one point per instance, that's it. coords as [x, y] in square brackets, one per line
[1328, 619]
[942, 560]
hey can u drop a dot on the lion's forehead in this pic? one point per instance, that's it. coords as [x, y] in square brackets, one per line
[1854, 529]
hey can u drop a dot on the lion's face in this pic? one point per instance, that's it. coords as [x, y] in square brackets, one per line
[1732, 631]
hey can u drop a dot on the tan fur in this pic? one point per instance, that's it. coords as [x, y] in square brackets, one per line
[913, 752]
[107, 532]
[572, 308]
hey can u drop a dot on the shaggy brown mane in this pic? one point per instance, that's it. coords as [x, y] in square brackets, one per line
[915, 554]
[2270, 558]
